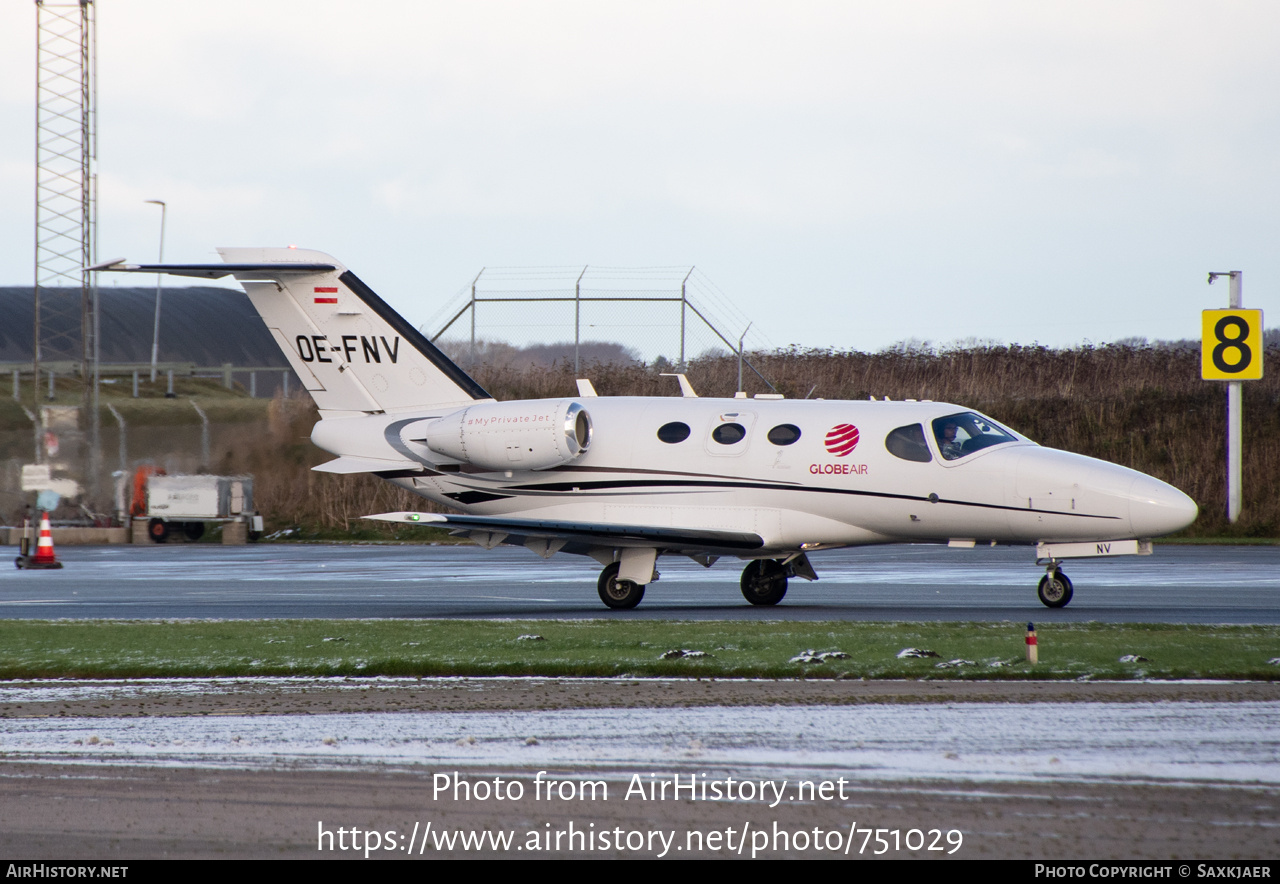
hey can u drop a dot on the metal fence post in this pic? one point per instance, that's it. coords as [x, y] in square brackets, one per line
[684, 303]
[577, 322]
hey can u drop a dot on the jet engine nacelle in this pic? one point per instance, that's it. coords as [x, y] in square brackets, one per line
[531, 435]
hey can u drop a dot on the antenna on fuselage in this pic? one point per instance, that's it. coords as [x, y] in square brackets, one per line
[686, 388]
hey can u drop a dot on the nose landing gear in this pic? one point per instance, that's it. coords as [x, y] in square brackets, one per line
[1055, 588]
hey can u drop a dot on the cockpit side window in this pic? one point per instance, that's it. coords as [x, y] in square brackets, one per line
[908, 443]
[962, 434]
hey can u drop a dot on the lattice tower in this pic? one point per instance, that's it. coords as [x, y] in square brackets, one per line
[66, 147]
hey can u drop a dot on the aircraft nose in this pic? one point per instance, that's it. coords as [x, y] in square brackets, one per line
[1157, 508]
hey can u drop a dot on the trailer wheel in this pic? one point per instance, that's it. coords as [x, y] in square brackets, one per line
[193, 530]
[158, 530]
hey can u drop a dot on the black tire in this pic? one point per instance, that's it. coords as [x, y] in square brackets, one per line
[618, 594]
[764, 582]
[158, 530]
[193, 530]
[1055, 590]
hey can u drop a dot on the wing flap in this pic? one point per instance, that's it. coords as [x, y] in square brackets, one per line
[520, 531]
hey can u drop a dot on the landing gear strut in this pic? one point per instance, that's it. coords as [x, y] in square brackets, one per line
[618, 594]
[764, 581]
[1055, 588]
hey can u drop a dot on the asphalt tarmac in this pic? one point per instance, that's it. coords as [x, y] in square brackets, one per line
[1178, 584]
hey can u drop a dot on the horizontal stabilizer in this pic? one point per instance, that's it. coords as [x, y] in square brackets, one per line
[215, 271]
[518, 531]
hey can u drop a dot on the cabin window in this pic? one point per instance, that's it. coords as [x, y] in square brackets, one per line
[909, 443]
[729, 434]
[673, 432]
[960, 435]
[784, 434]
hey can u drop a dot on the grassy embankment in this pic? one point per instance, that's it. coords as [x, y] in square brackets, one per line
[118, 649]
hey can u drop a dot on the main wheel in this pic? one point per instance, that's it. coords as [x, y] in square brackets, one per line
[1055, 590]
[618, 593]
[764, 582]
[158, 529]
[193, 530]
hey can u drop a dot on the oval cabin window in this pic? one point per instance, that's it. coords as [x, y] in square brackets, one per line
[784, 434]
[673, 432]
[729, 434]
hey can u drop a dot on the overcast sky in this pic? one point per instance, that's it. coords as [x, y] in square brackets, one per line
[849, 174]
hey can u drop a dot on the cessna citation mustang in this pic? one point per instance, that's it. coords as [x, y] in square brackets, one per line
[625, 480]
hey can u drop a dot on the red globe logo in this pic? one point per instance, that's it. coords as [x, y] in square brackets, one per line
[842, 439]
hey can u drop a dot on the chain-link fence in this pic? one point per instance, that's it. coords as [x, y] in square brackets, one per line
[655, 315]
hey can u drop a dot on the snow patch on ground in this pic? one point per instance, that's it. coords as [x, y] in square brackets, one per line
[1153, 742]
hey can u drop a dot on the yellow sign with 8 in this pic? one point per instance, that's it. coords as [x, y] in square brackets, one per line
[1231, 345]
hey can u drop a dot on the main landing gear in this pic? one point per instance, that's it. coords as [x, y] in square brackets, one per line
[1055, 588]
[618, 594]
[764, 581]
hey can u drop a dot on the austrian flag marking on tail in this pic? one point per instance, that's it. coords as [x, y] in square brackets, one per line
[326, 294]
[842, 439]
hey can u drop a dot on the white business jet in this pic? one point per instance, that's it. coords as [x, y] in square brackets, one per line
[627, 479]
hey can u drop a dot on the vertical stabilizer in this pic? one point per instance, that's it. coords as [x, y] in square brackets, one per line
[354, 354]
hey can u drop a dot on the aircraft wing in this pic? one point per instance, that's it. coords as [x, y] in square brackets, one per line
[489, 531]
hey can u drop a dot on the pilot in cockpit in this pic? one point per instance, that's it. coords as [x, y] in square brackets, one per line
[952, 447]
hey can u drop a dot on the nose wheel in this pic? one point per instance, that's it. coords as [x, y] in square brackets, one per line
[764, 581]
[1055, 589]
[618, 594]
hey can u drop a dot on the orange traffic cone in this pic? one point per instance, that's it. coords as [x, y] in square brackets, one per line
[44, 557]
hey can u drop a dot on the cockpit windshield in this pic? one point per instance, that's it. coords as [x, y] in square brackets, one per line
[960, 435]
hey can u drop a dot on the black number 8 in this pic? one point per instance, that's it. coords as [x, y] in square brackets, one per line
[1236, 343]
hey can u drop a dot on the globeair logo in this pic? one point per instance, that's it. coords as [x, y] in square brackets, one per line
[842, 439]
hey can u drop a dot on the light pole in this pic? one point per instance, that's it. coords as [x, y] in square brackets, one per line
[155, 336]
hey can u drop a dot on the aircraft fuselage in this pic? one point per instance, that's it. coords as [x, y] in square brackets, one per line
[738, 468]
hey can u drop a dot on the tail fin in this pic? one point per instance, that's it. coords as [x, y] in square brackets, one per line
[354, 354]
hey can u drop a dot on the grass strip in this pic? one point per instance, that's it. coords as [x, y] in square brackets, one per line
[762, 649]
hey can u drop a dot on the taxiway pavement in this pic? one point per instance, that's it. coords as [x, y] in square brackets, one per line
[1178, 584]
